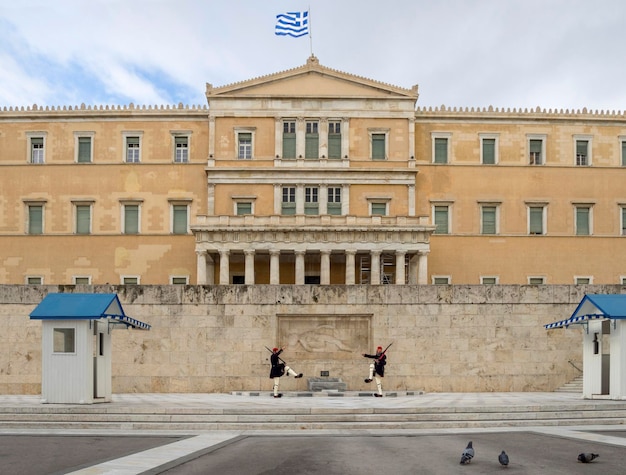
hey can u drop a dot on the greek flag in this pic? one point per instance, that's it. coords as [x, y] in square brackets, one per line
[294, 24]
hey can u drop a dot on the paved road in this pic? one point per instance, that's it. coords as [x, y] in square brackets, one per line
[530, 453]
[542, 451]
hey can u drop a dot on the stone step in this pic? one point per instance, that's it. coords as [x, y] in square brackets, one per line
[286, 418]
[573, 386]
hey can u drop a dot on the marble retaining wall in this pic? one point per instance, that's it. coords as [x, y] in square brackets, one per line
[213, 338]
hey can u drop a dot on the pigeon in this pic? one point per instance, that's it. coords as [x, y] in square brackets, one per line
[587, 457]
[503, 458]
[468, 454]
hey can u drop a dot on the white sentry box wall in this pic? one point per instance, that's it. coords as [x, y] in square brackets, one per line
[76, 361]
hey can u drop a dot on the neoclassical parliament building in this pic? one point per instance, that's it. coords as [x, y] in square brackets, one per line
[311, 176]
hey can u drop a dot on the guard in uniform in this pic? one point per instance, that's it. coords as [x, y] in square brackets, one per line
[279, 369]
[377, 369]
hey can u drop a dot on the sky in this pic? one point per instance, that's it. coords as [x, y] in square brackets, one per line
[553, 54]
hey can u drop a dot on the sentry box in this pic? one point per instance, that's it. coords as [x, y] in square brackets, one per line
[76, 345]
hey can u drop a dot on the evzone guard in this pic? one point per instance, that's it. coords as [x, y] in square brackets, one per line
[377, 368]
[279, 368]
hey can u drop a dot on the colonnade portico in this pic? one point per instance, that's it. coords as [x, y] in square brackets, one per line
[361, 249]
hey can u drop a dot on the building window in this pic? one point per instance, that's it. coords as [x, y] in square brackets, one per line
[622, 143]
[441, 280]
[36, 147]
[64, 340]
[34, 280]
[488, 149]
[580, 280]
[289, 200]
[35, 218]
[441, 219]
[536, 150]
[583, 150]
[623, 220]
[181, 148]
[312, 140]
[311, 201]
[536, 280]
[489, 280]
[489, 219]
[132, 147]
[289, 139]
[81, 280]
[378, 145]
[131, 218]
[334, 139]
[440, 149]
[243, 208]
[179, 279]
[536, 219]
[82, 212]
[583, 220]
[84, 147]
[378, 208]
[623, 280]
[130, 280]
[180, 218]
[334, 201]
[244, 145]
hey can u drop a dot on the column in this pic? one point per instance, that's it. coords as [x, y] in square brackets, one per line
[278, 137]
[278, 199]
[210, 200]
[375, 267]
[224, 267]
[249, 267]
[400, 255]
[300, 199]
[201, 267]
[210, 269]
[325, 267]
[411, 200]
[345, 200]
[274, 267]
[422, 268]
[323, 199]
[300, 267]
[300, 134]
[413, 268]
[350, 267]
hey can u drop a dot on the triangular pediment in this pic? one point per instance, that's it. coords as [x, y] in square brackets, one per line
[311, 80]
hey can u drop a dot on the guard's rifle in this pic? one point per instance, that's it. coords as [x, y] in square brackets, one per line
[276, 355]
[383, 353]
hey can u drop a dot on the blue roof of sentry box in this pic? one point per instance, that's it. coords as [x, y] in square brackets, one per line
[84, 307]
[594, 307]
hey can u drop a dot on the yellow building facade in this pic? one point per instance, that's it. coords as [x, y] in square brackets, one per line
[311, 176]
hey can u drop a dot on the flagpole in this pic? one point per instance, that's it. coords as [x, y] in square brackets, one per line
[310, 30]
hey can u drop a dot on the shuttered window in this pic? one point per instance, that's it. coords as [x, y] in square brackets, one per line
[582, 221]
[245, 145]
[334, 201]
[311, 201]
[179, 219]
[131, 219]
[536, 147]
[535, 220]
[289, 139]
[441, 150]
[83, 219]
[289, 201]
[334, 139]
[489, 152]
[489, 220]
[441, 219]
[378, 147]
[84, 150]
[312, 140]
[35, 219]
[582, 153]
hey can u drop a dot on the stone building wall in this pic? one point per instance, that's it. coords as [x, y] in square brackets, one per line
[213, 338]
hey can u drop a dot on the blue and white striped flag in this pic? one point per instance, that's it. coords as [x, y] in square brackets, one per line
[294, 24]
